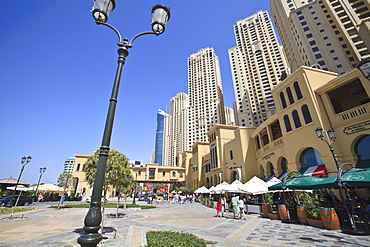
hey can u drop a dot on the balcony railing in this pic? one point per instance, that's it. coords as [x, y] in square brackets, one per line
[359, 111]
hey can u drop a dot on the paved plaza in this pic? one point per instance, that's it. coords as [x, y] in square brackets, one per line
[51, 227]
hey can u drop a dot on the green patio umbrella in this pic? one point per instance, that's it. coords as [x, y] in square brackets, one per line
[300, 182]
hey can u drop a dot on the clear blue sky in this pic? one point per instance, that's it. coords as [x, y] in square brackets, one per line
[57, 69]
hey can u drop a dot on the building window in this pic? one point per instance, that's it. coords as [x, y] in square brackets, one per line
[288, 126]
[297, 90]
[163, 174]
[317, 56]
[309, 35]
[231, 155]
[313, 42]
[297, 121]
[290, 95]
[151, 173]
[322, 63]
[78, 167]
[306, 114]
[315, 49]
[282, 99]
[306, 29]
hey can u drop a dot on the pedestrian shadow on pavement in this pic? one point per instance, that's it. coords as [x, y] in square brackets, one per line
[120, 215]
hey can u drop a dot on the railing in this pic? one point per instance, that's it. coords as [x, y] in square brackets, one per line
[354, 113]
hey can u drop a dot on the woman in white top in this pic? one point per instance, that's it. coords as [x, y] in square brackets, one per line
[241, 209]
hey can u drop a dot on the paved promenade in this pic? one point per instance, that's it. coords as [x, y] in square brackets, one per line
[51, 227]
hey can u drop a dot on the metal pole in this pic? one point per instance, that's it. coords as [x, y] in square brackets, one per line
[133, 202]
[24, 162]
[334, 157]
[344, 201]
[42, 170]
[93, 219]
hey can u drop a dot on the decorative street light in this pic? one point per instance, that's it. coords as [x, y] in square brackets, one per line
[100, 11]
[42, 171]
[25, 160]
[364, 67]
[332, 137]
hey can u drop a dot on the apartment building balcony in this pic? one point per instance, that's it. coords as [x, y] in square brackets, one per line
[357, 112]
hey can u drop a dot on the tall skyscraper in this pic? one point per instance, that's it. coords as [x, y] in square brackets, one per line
[229, 116]
[256, 65]
[332, 34]
[159, 137]
[176, 129]
[68, 165]
[206, 104]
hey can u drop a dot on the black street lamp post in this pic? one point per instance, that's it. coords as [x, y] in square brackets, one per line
[101, 10]
[25, 160]
[42, 171]
[332, 137]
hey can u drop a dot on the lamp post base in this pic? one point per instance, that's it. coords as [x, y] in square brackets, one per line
[358, 232]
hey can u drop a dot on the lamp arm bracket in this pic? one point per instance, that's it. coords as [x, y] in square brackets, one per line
[137, 36]
[111, 27]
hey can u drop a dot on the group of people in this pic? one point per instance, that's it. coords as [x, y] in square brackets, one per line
[176, 198]
[236, 203]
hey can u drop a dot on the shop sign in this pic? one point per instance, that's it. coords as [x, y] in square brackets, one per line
[357, 128]
[267, 156]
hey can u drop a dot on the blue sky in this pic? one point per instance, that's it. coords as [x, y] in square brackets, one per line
[57, 69]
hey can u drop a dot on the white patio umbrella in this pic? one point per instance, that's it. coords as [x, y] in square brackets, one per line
[48, 187]
[19, 188]
[212, 190]
[234, 187]
[273, 181]
[202, 189]
[255, 186]
[221, 187]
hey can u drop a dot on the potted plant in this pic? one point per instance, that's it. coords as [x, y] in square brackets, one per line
[270, 202]
[311, 203]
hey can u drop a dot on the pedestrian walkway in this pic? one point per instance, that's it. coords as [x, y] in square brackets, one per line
[51, 227]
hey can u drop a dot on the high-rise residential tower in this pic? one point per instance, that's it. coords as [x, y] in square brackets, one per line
[206, 104]
[69, 164]
[159, 137]
[176, 129]
[334, 34]
[256, 64]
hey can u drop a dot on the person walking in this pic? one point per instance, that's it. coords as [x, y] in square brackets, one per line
[218, 208]
[241, 209]
[223, 207]
[234, 201]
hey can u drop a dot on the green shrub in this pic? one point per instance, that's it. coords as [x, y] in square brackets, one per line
[173, 239]
[14, 210]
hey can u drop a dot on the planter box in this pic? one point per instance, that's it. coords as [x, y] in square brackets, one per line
[273, 216]
[315, 223]
[329, 218]
[302, 215]
[265, 210]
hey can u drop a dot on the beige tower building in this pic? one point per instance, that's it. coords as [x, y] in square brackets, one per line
[206, 104]
[332, 34]
[176, 129]
[256, 65]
